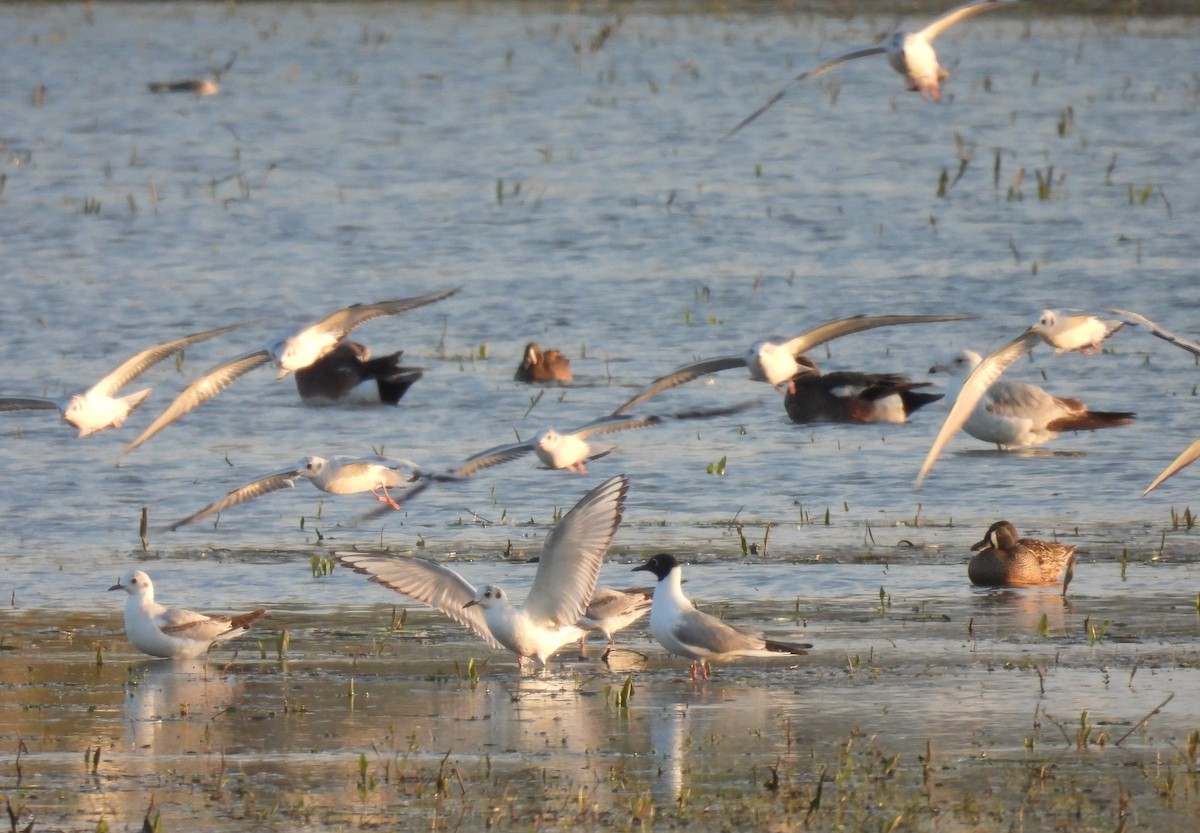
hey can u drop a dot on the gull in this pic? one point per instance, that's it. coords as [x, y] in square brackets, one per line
[348, 373]
[682, 629]
[908, 53]
[290, 353]
[98, 407]
[1015, 414]
[570, 450]
[540, 365]
[848, 396]
[1004, 559]
[1080, 332]
[562, 588]
[173, 632]
[339, 476]
[611, 610]
[777, 362]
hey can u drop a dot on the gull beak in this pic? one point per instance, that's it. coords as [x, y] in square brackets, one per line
[471, 603]
[639, 567]
[117, 586]
[283, 372]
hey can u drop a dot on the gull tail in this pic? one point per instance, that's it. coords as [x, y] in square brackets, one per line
[245, 620]
[797, 648]
[1092, 420]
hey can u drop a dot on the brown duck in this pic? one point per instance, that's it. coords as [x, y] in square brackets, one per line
[1003, 560]
[543, 365]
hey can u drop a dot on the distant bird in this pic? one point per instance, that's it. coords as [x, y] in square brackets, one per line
[847, 396]
[562, 588]
[908, 53]
[1014, 414]
[1004, 560]
[570, 450]
[199, 86]
[290, 353]
[339, 476]
[347, 373]
[173, 632]
[682, 629]
[777, 362]
[612, 610]
[540, 365]
[98, 407]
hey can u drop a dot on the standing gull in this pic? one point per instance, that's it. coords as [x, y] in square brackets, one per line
[777, 363]
[562, 588]
[294, 352]
[611, 610]
[909, 53]
[98, 407]
[173, 632]
[682, 629]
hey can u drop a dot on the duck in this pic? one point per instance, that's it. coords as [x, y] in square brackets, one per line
[199, 86]
[348, 373]
[1003, 559]
[540, 365]
[1016, 415]
[849, 396]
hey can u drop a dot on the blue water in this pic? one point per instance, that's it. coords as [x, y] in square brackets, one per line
[580, 199]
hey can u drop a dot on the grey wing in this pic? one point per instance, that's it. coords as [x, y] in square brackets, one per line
[187, 624]
[345, 320]
[955, 15]
[208, 385]
[804, 76]
[973, 389]
[608, 602]
[1189, 454]
[490, 457]
[1179, 341]
[426, 581]
[708, 633]
[572, 554]
[263, 486]
[31, 403]
[684, 373]
[857, 324]
[138, 364]
[621, 422]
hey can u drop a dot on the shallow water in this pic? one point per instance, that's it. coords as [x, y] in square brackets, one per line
[579, 198]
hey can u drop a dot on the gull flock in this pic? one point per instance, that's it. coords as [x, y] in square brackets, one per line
[565, 601]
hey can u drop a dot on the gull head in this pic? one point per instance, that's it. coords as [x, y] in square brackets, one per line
[136, 583]
[488, 596]
[960, 366]
[661, 565]
[313, 467]
[1047, 321]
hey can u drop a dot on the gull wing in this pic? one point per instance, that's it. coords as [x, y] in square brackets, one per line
[285, 479]
[490, 457]
[804, 76]
[341, 322]
[1189, 454]
[973, 389]
[684, 373]
[1179, 341]
[817, 336]
[139, 363]
[621, 422]
[426, 581]
[187, 624]
[708, 634]
[208, 385]
[955, 15]
[572, 554]
[31, 403]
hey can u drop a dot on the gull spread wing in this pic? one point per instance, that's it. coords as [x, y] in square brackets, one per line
[684, 373]
[620, 422]
[138, 364]
[1189, 454]
[572, 554]
[1179, 341]
[973, 389]
[263, 486]
[203, 389]
[857, 324]
[426, 581]
[955, 15]
[491, 457]
[804, 76]
[31, 403]
[341, 322]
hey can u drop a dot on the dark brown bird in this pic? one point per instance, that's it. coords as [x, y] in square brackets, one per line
[349, 374]
[1004, 560]
[540, 365]
[847, 396]
[197, 86]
